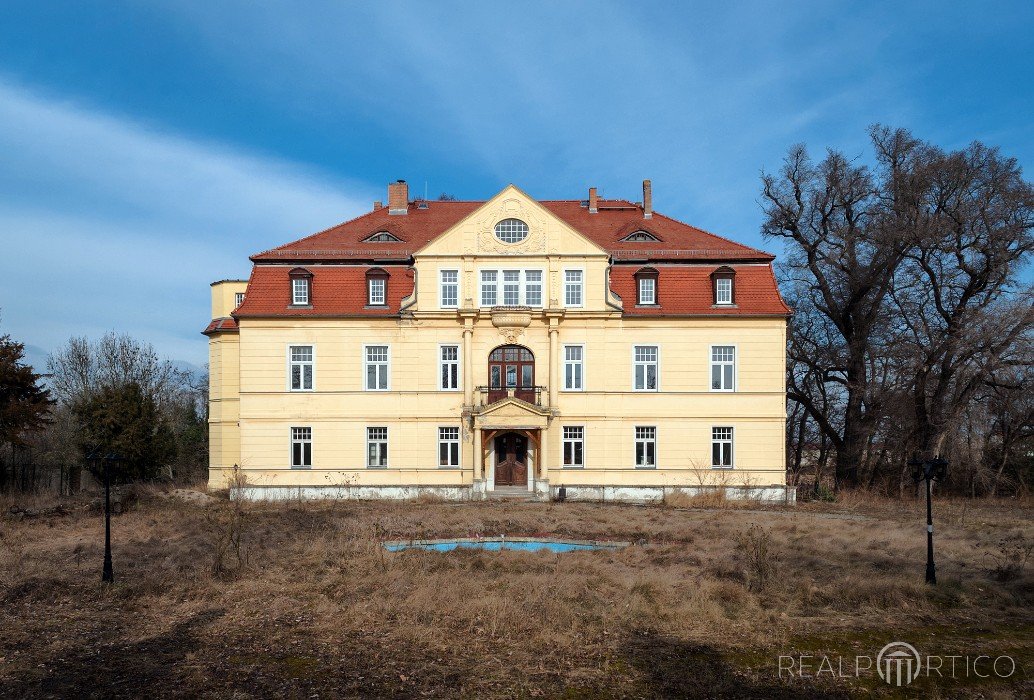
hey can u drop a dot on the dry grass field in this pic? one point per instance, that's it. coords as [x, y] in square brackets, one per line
[299, 600]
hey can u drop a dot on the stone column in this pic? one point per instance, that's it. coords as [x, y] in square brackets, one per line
[479, 467]
[554, 364]
[468, 367]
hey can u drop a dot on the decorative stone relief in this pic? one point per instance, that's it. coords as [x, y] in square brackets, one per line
[511, 334]
[484, 229]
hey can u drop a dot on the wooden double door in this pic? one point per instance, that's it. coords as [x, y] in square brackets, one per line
[511, 460]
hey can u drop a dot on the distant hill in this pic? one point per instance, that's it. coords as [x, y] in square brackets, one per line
[36, 357]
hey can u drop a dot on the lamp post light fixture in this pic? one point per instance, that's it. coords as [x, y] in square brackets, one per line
[929, 470]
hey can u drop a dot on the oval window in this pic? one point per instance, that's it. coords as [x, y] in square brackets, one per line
[511, 230]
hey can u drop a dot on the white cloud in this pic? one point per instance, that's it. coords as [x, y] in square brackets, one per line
[107, 223]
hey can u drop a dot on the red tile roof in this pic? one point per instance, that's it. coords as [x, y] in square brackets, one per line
[615, 220]
[340, 289]
[337, 290]
[221, 325]
[687, 290]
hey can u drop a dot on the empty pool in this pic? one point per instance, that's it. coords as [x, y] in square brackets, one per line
[494, 544]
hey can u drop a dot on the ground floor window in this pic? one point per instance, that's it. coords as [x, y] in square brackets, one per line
[721, 448]
[574, 445]
[448, 447]
[376, 447]
[645, 447]
[301, 448]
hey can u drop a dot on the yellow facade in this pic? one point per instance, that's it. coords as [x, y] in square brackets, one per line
[253, 407]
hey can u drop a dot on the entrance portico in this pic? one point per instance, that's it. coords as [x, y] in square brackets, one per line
[508, 445]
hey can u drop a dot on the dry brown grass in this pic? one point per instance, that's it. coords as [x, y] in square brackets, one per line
[315, 606]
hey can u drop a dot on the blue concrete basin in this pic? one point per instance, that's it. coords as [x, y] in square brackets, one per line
[494, 544]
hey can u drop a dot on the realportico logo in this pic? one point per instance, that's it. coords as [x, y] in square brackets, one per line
[898, 664]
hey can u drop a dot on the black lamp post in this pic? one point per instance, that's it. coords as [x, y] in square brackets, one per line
[105, 462]
[929, 470]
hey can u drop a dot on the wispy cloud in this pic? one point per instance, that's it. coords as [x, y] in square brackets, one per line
[108, 223]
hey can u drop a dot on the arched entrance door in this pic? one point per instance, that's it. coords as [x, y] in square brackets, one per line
[511, 460]
[511, 367]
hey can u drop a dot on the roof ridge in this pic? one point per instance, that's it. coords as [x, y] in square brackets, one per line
[313, 235]
[710, 233]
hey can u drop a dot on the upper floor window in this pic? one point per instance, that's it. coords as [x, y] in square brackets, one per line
[723, 368]
[238, 299]
[301, 286]
[448, 447]
[450, 368]
[450, 289]
[301, 361]
[644, 365]
[511, 287]
[647, 290]
[573, 355]
[721, 448]
[572, 287]
[300, 291]
[511, 230]
[488, 287]
[377, 288]
[376, 366]
[723, 280]
[301, 448]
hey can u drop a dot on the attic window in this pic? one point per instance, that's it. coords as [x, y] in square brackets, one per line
[511, 230]
[723, 286]
[641, 237]
[376, 287]
[383, 237]
[301, 287]
[646, 286]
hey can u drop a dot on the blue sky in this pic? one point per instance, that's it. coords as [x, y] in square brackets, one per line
[146, 149]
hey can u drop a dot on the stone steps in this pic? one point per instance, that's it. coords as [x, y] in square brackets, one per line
[512, 493]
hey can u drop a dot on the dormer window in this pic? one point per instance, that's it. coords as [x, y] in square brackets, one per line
[301, 287]
[646, 286]
[723, 280]
[383, 237]
[376, 287]
[641, 237]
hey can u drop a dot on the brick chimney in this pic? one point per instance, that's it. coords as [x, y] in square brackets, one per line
[377, 204]
[647, 200]
[398, 197]
[593, 201]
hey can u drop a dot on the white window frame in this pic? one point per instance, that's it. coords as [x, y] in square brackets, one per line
[712, 363]
[644, 440]
[371, 441]
[453, 444]
[581, 365]
[653, 291]
[458, 362]
[731, 441]
[581, 287]
[300, 284]
[373, 282]
[441, 288]
[238, 299]
[301, 441]
[565, 440]
[498, 285]
[494, 286]
[291, 362]
[718, 291]
[657, 372]
[367, 362]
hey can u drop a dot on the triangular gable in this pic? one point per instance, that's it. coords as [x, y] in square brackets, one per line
[548, 234]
